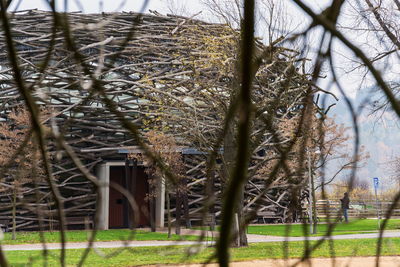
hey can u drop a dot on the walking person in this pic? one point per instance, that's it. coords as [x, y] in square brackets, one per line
[345, 201]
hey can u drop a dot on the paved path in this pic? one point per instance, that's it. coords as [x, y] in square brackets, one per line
[267, 238]
[386, 261]
[261, 238]
[251, 238]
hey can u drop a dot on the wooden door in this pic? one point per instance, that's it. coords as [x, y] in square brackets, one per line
[141, 191]
[117, 206]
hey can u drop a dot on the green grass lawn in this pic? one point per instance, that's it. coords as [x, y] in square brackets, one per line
[172, 255]
[353, 227]
[82, 236]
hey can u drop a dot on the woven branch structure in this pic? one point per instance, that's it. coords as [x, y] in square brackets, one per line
[176, 75]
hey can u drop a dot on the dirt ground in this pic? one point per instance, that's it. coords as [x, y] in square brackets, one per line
[392, 261]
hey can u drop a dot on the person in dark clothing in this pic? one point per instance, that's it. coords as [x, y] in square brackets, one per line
[345, 206]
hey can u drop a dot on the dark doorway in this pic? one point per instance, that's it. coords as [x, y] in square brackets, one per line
[118, 208]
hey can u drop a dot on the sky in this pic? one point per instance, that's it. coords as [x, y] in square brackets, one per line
[190, 7]
[96, 6]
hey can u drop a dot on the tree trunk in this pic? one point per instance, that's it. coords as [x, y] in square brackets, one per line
[186, 205]
[210, 193]
[14, 214]
[178, 212]
[242, 221]
[151, 208]
[239, 232]
[240, 225]
[168, 210]
[236, 231]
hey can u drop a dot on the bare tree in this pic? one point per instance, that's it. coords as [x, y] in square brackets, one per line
[168, 151]
[26, 169]
[335, 152]
[377, 22]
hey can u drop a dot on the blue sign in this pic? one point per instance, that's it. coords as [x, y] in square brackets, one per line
[376, 182]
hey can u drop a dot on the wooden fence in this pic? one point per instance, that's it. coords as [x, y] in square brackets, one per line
[358, 209]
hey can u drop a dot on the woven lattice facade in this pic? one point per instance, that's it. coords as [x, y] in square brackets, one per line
[173, 74]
